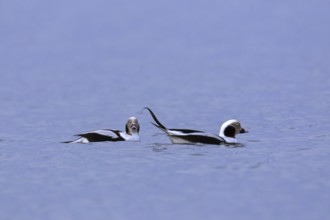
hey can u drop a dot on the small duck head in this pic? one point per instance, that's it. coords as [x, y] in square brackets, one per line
[230, 129]
[132, 126]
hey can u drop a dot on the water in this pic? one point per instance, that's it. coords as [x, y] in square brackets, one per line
[70, 67]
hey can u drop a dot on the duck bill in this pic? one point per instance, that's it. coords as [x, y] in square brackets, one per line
[242, 131]
[133, 126]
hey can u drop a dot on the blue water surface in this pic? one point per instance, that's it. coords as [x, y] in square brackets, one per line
[68, 67]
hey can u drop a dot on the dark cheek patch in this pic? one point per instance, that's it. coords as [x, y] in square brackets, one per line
[230, 131]
[126, 129]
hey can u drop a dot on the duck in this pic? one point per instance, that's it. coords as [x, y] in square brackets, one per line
[227, 135]
[131, 133]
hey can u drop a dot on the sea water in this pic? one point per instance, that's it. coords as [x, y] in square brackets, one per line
[69, 67]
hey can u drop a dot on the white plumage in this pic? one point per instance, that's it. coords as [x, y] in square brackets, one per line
[131, 133]
[227, 133]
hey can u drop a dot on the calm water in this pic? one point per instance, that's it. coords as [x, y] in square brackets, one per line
[69, 66]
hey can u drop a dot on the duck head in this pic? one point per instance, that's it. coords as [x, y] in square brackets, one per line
[132, 126]
[230, 129]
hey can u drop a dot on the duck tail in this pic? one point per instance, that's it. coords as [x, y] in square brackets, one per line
[157, 124]
[81, 139]
[66, 142]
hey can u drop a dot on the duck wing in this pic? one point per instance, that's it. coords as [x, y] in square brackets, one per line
[102, 135]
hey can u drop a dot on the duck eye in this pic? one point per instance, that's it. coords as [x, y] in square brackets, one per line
[237, 125]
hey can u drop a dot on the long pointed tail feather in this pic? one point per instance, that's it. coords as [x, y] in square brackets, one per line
[158, 124]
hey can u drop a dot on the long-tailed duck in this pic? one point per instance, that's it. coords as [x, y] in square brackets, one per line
[131, 134]
[227, 134]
